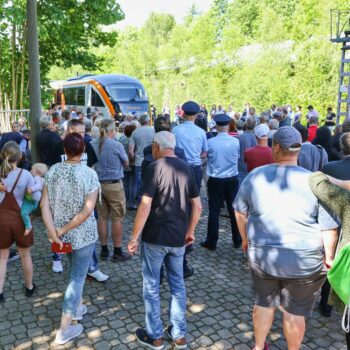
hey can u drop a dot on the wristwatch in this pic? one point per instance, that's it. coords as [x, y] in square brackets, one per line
[134, 240]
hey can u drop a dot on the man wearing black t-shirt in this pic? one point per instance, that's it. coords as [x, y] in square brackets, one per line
[168, 190]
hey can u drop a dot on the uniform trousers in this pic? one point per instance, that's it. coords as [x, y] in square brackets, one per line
[220, 190]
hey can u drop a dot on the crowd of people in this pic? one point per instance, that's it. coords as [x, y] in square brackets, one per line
[274, 175]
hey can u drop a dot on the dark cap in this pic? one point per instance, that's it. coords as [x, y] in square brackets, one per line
[190, 108]
[288, 138]
[277, 115]
[222, 119]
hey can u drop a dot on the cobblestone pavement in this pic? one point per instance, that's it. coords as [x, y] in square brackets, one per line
[219, 300]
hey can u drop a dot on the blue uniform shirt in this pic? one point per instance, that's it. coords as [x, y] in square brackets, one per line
[192, 140]
[223, 154]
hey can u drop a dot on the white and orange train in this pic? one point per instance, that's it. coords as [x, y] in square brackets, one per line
[113, 95]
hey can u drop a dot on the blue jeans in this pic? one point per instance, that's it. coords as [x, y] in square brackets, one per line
[153, 257]
[27, 208]
[129, 187]
[80, 260]
[93, 262]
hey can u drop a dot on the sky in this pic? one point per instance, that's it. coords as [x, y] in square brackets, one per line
[137, 11]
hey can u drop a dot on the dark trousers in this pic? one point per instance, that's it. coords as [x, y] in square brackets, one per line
[325, 291]
[220, 190]
[197, 172]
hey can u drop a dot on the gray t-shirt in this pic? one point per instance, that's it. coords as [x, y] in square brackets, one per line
[141, 138]
[246, 140]
[285, 221]
[26, 180]
[310, 157]
[109, 166]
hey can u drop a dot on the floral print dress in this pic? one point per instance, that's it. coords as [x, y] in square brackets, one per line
[68, 186]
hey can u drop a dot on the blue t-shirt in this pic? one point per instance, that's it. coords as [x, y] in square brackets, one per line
[192, 140]
[285, 221]
[110, 161]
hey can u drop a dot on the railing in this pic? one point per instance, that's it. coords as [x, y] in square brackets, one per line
[10, 116]
[340, 24]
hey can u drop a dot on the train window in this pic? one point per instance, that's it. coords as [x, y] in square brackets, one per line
[127, 92]
[69, 96]
[74, 95]
[96, 99]
[81, 96]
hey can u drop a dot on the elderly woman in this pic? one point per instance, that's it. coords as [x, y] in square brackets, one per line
[334, 194]
[14, 183]
[68, 202]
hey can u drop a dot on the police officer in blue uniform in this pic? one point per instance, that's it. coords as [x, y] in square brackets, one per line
[222, 169]
[192, 139]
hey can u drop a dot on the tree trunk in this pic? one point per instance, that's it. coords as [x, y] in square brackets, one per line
[23, 58]
[13, 63]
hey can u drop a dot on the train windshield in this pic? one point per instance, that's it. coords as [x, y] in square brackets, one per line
[127, 93]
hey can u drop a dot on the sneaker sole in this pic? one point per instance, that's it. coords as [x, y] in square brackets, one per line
[180, 347]
[149, 345]
[69, 339]
[91, 278]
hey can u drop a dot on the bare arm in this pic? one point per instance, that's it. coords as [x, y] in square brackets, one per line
[139, 223]
[82, 216]
[340, 183]
[196, 211]
[47, 217]
[241, 219]
[330, 239]
[131, 152]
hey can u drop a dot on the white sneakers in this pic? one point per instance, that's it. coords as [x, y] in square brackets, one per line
[81, 311]
[57, 266]
[72, 332]
[98, 276]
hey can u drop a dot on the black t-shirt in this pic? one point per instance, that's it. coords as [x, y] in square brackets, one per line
[88, 157]
[171, 184]
[46, 143]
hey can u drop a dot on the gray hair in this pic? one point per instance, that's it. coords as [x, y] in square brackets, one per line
[88, 124]
[345, 143]
[313, 120]
[264, 117]
[250, 123]
[165, 139]
[45, 121]
[273, 124]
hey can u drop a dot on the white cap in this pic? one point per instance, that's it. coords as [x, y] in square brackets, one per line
[262, 131]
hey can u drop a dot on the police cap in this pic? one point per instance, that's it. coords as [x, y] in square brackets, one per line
[190, 108]
[222, 119]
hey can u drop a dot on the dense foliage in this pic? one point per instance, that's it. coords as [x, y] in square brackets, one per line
[261, 51]
[67, 31]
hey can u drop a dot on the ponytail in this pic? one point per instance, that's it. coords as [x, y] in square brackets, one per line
[10, 154]
[106, 126]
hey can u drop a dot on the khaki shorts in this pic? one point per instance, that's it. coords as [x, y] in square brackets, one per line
[296, 296]
[113, 201]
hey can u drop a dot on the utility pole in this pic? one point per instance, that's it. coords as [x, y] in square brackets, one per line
[34, 74]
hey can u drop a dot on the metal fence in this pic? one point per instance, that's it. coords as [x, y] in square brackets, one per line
[10, 116]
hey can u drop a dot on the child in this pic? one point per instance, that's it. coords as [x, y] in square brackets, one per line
[33, 196]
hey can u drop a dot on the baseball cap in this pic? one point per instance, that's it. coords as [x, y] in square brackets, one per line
[262, 131]
[288, 138]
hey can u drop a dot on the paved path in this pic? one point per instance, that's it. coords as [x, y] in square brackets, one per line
[219, 300]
